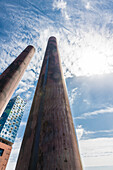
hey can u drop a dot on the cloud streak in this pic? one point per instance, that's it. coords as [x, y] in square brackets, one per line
[95, 113]
[83, 134]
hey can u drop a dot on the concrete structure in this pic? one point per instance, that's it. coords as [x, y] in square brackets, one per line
[49, 141]
[5, 150]
[9, 124]
[10, 78]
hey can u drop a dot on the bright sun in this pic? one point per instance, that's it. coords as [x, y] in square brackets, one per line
[91, 54]
[92, 62]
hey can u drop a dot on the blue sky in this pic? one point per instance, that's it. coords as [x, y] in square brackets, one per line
[84, 31]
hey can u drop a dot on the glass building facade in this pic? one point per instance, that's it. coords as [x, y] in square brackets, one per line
[11, 118]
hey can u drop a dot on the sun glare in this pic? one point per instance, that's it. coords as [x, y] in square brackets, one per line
[92, 62]
[92, 54]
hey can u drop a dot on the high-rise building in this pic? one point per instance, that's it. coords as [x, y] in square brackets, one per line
[49, 141]
[9, 124]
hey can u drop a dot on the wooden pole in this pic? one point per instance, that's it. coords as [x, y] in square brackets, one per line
[49, 141]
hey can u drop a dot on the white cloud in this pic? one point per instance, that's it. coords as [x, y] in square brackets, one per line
[72, 95]
[96, 112]
[97, 152]
[61, 5]
[79, 132]
[82, 132]
[86, 101]
[21, 90]
[99, 131]
[88, 6]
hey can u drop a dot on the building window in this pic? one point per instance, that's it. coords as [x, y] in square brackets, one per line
[1, 151]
